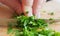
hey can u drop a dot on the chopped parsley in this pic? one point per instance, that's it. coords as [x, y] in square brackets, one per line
[52, 13]
[28, 26]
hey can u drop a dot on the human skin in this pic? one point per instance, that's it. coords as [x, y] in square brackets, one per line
[36, 4]
[14, 4]
[5, 12]
[26, 6]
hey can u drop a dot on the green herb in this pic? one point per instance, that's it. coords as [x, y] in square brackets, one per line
[44, 11]
[27, 12]
[51, 13]
[28, 26]
[9, 28]
[57, 34]
[51, 20]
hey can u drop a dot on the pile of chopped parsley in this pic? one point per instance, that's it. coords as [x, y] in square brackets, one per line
[29, 26]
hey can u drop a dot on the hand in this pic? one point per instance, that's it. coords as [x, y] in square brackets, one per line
[26, 6]
[5, 11]
[36, 4]
[9, 7]
[14, 4]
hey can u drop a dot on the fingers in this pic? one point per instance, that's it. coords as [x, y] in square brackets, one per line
[27, 6]
[14, 4]
[37, 5]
